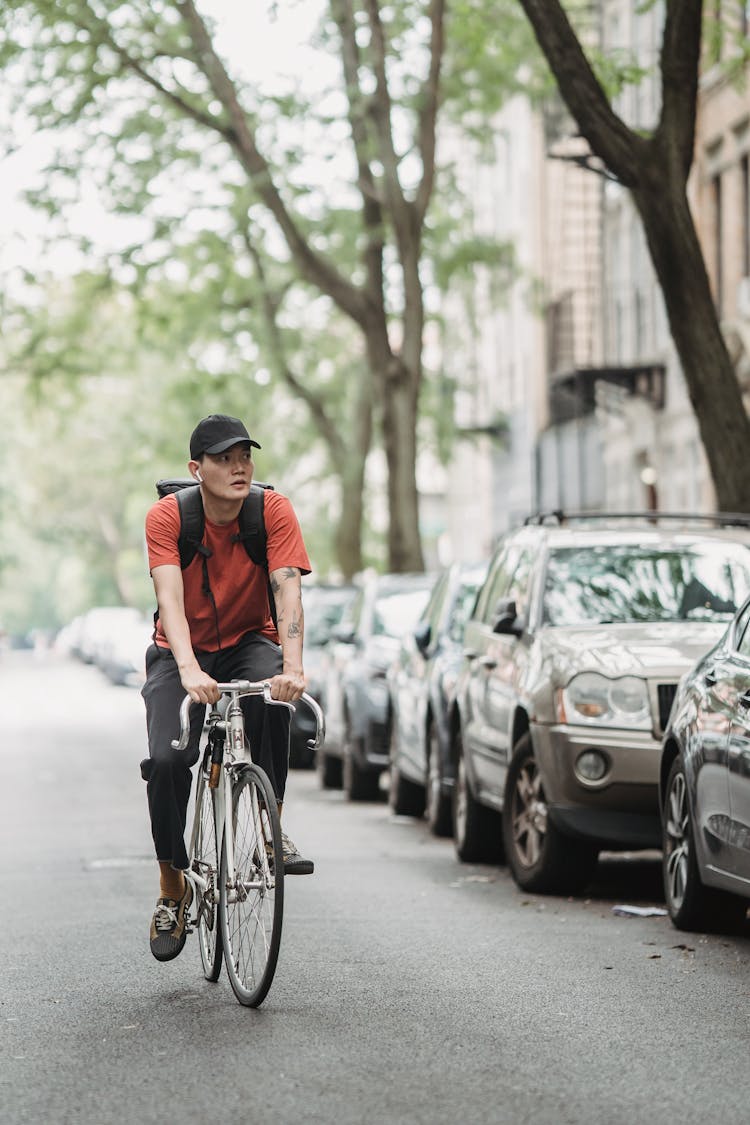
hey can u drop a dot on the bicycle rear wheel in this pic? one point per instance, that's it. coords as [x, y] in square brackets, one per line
[252, 897]
[206, 864]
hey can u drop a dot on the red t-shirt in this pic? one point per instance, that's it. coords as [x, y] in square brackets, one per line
[238, 585]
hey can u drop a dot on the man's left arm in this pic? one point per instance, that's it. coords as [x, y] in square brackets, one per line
[286, 583]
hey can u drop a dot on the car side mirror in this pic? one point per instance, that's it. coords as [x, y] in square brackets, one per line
[505, 619]
[423, 636]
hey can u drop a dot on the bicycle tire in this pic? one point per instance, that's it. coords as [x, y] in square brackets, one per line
[251, 906]
[206, 863]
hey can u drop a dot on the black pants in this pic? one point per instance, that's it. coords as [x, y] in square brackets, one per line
[167, 771]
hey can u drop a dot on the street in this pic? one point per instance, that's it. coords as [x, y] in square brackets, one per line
[410, 988]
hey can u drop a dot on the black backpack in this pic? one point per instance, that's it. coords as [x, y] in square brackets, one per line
[252, 532]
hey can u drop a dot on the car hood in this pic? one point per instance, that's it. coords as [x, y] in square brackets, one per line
[662, 649]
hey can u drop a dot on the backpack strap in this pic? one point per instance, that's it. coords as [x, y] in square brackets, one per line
[252, 535]
[192, 524]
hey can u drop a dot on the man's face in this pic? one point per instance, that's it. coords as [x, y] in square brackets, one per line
[227, 475]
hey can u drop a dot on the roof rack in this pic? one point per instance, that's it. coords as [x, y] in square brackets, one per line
[719, 519]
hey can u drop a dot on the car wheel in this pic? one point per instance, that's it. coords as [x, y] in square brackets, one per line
[360, 784]
[691, 905]
[405, 797]
[438, 802]
[329, 770]
[541, 858]
[477, 831]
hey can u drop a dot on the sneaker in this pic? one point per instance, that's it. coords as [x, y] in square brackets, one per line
[169, 925]
[294, 864]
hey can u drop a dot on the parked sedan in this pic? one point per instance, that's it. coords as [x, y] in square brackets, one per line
[705, 788]
[422, 682]
[580, 634]
[323, 606]
[355, 751]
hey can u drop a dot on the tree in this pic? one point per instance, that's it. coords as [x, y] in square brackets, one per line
[147, 87]
[655, 168]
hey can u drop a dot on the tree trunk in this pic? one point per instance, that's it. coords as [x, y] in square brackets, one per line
[712, 385]
[397, 386]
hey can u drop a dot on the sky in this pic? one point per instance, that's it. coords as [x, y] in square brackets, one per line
[259, 39]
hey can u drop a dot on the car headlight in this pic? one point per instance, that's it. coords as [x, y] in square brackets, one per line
[593, 699]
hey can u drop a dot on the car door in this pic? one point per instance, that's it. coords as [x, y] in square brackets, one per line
[414, 682]
[738, 755]
[340, 651]
[485, 733]
[504, 656]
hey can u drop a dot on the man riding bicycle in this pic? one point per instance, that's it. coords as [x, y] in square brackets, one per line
[214, 624]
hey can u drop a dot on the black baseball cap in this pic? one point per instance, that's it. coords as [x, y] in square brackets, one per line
[217, 433]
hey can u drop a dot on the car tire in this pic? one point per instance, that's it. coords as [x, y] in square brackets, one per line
[692, 906]
[477, 830]
[405, 797]
[330, 773]
[360, 784]
[438, 803]
[542, 859]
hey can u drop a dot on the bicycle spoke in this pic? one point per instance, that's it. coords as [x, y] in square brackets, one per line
[253, 893]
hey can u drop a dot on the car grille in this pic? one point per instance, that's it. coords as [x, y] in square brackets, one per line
[665, 695]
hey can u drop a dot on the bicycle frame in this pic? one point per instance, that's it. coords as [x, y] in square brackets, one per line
[235, 749]
[236, 864]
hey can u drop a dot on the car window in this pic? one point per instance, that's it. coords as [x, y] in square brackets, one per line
[742, 633]
[463, 605]
[353, 612]
[398, 611]
[434, 608]
[520, 583]
[497, 584]
[323, 610]
[623, 582]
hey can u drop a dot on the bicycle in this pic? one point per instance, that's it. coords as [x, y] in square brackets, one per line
[236, 863]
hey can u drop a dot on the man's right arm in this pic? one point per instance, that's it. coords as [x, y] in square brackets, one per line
[171, 602]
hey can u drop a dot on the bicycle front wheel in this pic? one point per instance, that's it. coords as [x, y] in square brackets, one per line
[252, 894]
[206, 864]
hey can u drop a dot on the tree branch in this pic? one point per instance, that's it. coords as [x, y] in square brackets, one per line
[325, 426]
[429, 108]
[372, 211]
[399, 208]
[620, 148]
[680, 62]
[320, 272]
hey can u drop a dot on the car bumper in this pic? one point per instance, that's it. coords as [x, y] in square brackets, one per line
[622, 809]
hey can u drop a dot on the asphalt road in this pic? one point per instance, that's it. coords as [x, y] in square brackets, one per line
[410, 988]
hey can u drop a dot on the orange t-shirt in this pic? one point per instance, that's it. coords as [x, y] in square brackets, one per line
[238, 585]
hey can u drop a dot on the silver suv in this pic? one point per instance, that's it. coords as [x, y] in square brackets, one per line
[572, 657]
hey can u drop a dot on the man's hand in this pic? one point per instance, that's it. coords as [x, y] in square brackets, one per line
[288, 686]
[201, 687]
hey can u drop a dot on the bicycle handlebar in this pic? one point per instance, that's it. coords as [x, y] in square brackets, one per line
[248, 687]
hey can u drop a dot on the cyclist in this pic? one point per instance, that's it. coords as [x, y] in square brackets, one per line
[214, 624]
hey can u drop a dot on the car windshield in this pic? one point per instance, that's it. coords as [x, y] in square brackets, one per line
[323, 610]
[397, 611]
[619, 583]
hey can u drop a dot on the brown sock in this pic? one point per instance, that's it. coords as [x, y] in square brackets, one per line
[172, 883]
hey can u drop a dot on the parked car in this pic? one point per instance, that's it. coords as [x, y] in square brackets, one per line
[705, 788]
[355, 751]
[579, 637]
[121, 653]
[422, 684]
[99, 626]
[323, 606]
